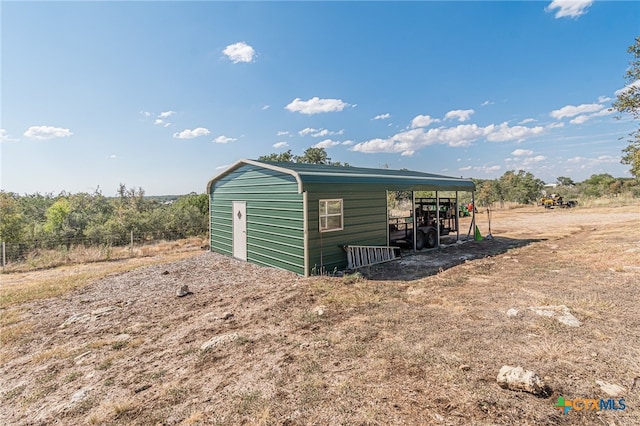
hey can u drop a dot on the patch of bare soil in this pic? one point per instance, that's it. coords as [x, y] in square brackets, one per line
[404, 346]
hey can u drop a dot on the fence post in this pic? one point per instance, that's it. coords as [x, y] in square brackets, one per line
[4, 256]
[131, 247]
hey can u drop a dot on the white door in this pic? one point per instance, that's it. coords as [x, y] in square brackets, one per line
[240, 230]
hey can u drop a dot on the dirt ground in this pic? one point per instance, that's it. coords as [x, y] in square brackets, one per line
[419, 340]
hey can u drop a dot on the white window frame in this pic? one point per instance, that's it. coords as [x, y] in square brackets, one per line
[328, 215]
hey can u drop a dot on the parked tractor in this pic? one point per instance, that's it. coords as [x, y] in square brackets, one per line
[554, 200]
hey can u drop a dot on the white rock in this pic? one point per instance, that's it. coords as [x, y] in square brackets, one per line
[97, 313]
[319, 310]
[611, 389]
[513, 312]
[183, 291]
[519, 379]
[559, 312]
[219, 340]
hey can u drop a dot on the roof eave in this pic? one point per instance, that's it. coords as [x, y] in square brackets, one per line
[239, 163]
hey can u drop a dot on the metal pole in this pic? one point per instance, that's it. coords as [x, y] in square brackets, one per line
[415, 220]
[457, 213]
[473, 218]
[438, 218]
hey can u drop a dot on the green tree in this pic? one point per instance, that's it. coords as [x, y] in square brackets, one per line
[628, 101]
[11, 218]
[314, 156]
[597, 185]
[283, 157]
[488, 192]
[565, 181]
[188, 216]
[57, 225]
[522, 187]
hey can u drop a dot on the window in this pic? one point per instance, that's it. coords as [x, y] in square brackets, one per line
[330, 215]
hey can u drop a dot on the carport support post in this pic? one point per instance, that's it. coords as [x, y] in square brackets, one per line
[473, 215]
[438, 218]
[457, 213]
[415, 220]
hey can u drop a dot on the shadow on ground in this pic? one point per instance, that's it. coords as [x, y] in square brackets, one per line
[413, 266]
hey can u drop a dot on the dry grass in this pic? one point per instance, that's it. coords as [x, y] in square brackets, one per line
[393, 351]
[19, 288]
[81, 254]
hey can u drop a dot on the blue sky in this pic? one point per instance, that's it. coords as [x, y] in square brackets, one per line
[165, 95]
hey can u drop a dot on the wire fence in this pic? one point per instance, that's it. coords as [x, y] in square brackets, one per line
[38, 253]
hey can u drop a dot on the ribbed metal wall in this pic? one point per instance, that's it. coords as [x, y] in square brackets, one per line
[275, 224]
[365, 223]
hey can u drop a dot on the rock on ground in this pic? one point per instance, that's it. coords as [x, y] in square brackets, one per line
[519, 379]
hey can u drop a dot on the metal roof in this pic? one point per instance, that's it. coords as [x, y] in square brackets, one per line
[408, 180]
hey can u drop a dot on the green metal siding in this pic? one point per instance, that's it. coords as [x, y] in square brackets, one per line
[364, 223]
[275, 224]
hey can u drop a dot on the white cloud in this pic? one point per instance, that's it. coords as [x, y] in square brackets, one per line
[554, 125]
[318, 133]
[239, 52]
[158, 121]
[224, 139]
[422, 121]
[504, 133]
[607, 159]
[146, 113]
[190, 134]
[321, 133]
[4, 136]
[633, 86]
[521, 152]
[487, 102]
[460, 114]
[382, 116]
[46, 132]
[461, 135]
[279, 145]
[528, 120]
[348, 142]
[569, 8]
[587, 163]
[166, 114]
[407, 153]
[572, 110]
[579, 119]
[603, 99]
[282, 133]
[327, 143]
[307, 131]
[266, 107]
[535, 159]
[113, 156]
[316, 105]
[484, 169]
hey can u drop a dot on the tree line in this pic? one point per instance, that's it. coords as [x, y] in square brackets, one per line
[524, 188]
[36, 221]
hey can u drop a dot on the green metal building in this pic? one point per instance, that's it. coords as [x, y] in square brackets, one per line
[298, 217]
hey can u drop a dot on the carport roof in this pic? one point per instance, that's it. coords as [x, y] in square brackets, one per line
[392, 180]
